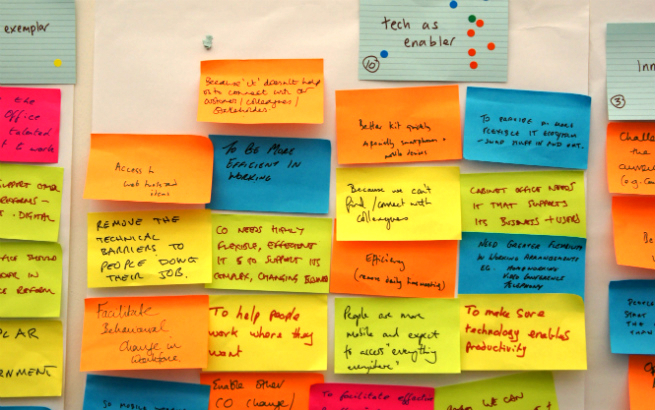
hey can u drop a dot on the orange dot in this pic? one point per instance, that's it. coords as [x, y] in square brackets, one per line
[471, 52]
[471, 33]
[480, 23]
[491, 46]
[474, 65]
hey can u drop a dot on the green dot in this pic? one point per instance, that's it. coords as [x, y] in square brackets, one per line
[472, 18]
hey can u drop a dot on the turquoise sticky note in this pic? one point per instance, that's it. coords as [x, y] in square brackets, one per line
[632, 308]
[631, 71]
[427, 40]
[37, 39]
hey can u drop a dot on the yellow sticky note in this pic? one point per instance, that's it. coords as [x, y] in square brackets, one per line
[523, 332]
[169, 247]
[31, 359]
[267, 333]
[284, 254]
[534, 203]
[30, 279]
[395, 335]
[30, 202]
[398, 204]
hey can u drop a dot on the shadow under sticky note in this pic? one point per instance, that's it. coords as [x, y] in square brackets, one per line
[631, 309]
[629, 167]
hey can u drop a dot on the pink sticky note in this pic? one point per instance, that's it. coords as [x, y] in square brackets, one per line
[29, 124]
[338, 396]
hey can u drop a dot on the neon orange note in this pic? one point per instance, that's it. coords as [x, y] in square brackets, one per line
[641, 381]
[630, 169]
[634, 234]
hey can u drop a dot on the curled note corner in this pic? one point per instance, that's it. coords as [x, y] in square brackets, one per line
[207, 42]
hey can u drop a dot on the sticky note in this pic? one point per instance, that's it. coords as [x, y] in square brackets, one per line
[150, 168]
[29, 129]
[422, 269]
[245, 390]
[168, 247]
[388, 125]
[634, 243]
[527, 127]
[630, 71]
[630, 168]
[528, 390]
[534, 203]
[271, 174]
[138, 333]
[523, 332]
[32, 358]
[641, 381]
[510, 263]
[253, 332]
[38, 39]
[405, 40]
[396, 336]
[104, 392]
[632, 307]
[261, 91]
[398, 204]
[284, 254]
[336, 396]
[30, 202]
[30, 279]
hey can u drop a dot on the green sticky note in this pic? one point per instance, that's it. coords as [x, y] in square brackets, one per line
[30, 202]
[38, 42]
[530, 390]
[30, 279]
[396, 336]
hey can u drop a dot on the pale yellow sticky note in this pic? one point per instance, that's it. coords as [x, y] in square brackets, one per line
[267, 333]
[522, 332]
[31, 358]
[534, 203]
[169, 247]
[398, 204]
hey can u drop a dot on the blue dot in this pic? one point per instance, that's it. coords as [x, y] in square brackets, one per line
[453, 4]
[384, 54]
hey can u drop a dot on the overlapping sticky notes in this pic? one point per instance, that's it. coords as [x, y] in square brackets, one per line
[271, 174]
[641, 382]
[405, 40]
[261, 91]
[632, 308]
[634, 237]
[253, 333]
[38, 42]
[398, 204]
[528, 390]
[32, 358]
[168, 247]
[29, 128]
[150, 168]
[396, 336]
[630, 71]
[138, 333]
[30, 202]
[398, 125]
[245, 390]
[534, 203]
[337, 396]
[527, 127]
[103, 392]
[507, 263]
[286, 254]
[523, 332]
[30, 279]
[405, 268]
[630, 169]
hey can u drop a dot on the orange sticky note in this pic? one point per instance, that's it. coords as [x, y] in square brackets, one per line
[261, 91]
[634, 232]
[630, 167]
[138, 333]
[246, 390]
[398, 125]
[641, 381]
[150, 168]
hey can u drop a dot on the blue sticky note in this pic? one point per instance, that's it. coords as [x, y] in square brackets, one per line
[527, 127]
[510, 263]
[106, 392]
[37, 40]
[271, 174]
[632, 316]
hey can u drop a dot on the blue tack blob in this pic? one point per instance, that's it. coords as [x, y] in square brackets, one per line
[453, 4]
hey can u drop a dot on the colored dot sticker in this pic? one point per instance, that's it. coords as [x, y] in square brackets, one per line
[474, 65]
[453, 4]
[472, 18]
[480, 23]
[491, 46]
[384, 54]
[57, 63]
[471, 33]
[472, 52]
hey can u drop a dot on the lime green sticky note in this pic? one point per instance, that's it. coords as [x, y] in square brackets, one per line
[30, 279]
[396, 335]
[530, 390]
[30, 202]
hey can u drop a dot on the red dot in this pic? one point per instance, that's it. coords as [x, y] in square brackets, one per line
[491, 46]
[474, 65]
[471, 33]
[471, 52]
[480, 23]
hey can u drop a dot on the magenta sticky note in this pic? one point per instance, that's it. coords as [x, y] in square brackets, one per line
[29, 124]
[338, 396]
